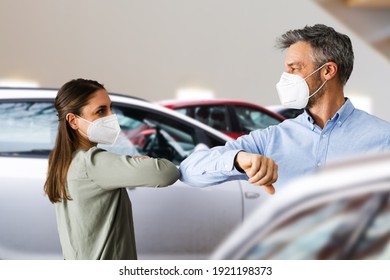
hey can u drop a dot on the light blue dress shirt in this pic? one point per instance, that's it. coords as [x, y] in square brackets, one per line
[298, 146]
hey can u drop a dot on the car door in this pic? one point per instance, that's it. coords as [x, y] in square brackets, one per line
[179, 221]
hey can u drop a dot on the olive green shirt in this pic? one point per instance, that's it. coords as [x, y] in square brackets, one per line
[97, 222]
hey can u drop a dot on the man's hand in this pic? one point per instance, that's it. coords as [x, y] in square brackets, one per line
[262, 171]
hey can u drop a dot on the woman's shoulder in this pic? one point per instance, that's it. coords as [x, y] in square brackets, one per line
[96, 153]
[91, 154]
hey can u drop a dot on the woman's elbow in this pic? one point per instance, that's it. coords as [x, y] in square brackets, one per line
[169, 173]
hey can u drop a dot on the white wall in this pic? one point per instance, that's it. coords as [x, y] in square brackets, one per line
[150, 48]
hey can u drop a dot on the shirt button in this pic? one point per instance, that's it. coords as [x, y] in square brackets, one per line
[339, 122]
[324, 135]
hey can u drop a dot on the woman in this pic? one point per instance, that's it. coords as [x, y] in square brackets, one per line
[88, 184]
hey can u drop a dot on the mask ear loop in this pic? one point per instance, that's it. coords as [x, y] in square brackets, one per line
[318, 89]
[322, 83]
[315, 71]
[79, 130]
[83, 119]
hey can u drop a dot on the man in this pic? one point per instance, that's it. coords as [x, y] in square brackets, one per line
[318, 63]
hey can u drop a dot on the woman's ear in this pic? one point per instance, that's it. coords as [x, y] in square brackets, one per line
[72, 121]
[330, 70]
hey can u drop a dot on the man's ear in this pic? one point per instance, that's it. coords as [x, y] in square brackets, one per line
[330, 70]
[72, 121]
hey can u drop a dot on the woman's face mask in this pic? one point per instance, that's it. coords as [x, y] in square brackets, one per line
[103, 130]
[293, 90]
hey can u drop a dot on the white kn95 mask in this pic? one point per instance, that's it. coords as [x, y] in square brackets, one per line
[103, 130]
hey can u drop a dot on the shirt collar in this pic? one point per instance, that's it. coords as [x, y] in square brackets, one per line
[344, 112]
[310, 120]
[341, 115]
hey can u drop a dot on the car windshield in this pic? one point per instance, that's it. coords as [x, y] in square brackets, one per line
[346, 229]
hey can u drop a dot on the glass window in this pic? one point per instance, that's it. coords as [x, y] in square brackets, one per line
[183, 111]
[28, 128]
[202, 114]
[252, 119]
[376, 242]
[154, 134]
[329, 231]
[214, 116]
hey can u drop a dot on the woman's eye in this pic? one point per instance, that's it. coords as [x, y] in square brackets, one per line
[101, 112]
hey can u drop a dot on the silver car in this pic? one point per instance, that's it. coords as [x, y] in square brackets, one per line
[341, 212]
[178, 222]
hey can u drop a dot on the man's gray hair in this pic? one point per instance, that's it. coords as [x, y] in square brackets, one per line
[327, 44]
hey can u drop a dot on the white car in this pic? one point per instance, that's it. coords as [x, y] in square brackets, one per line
[178, 222]
[341, 212]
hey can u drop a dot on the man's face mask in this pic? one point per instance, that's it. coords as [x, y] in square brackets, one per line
[293, 90]
[103, 130]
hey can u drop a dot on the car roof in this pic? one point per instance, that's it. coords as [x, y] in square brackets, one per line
[16, 93]
[22, 92]
[215, 101]
[50, 93]
[343, 178]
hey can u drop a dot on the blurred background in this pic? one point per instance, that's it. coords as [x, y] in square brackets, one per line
[172, 49]
[166, 50]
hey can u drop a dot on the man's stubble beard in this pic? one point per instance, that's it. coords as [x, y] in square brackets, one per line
[316, 97]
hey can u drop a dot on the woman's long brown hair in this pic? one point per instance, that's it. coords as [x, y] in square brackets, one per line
[71, 97]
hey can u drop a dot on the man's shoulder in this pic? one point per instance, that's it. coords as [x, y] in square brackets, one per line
[300, 120]
[364, 118]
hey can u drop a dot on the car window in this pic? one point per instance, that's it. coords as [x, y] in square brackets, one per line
[375, 244]
[28, 128]
[214, 116]
[154, 134]
[252, 119]
[328, 231]
[184, 111]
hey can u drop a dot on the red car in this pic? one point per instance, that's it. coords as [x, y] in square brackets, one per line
[234, 118]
